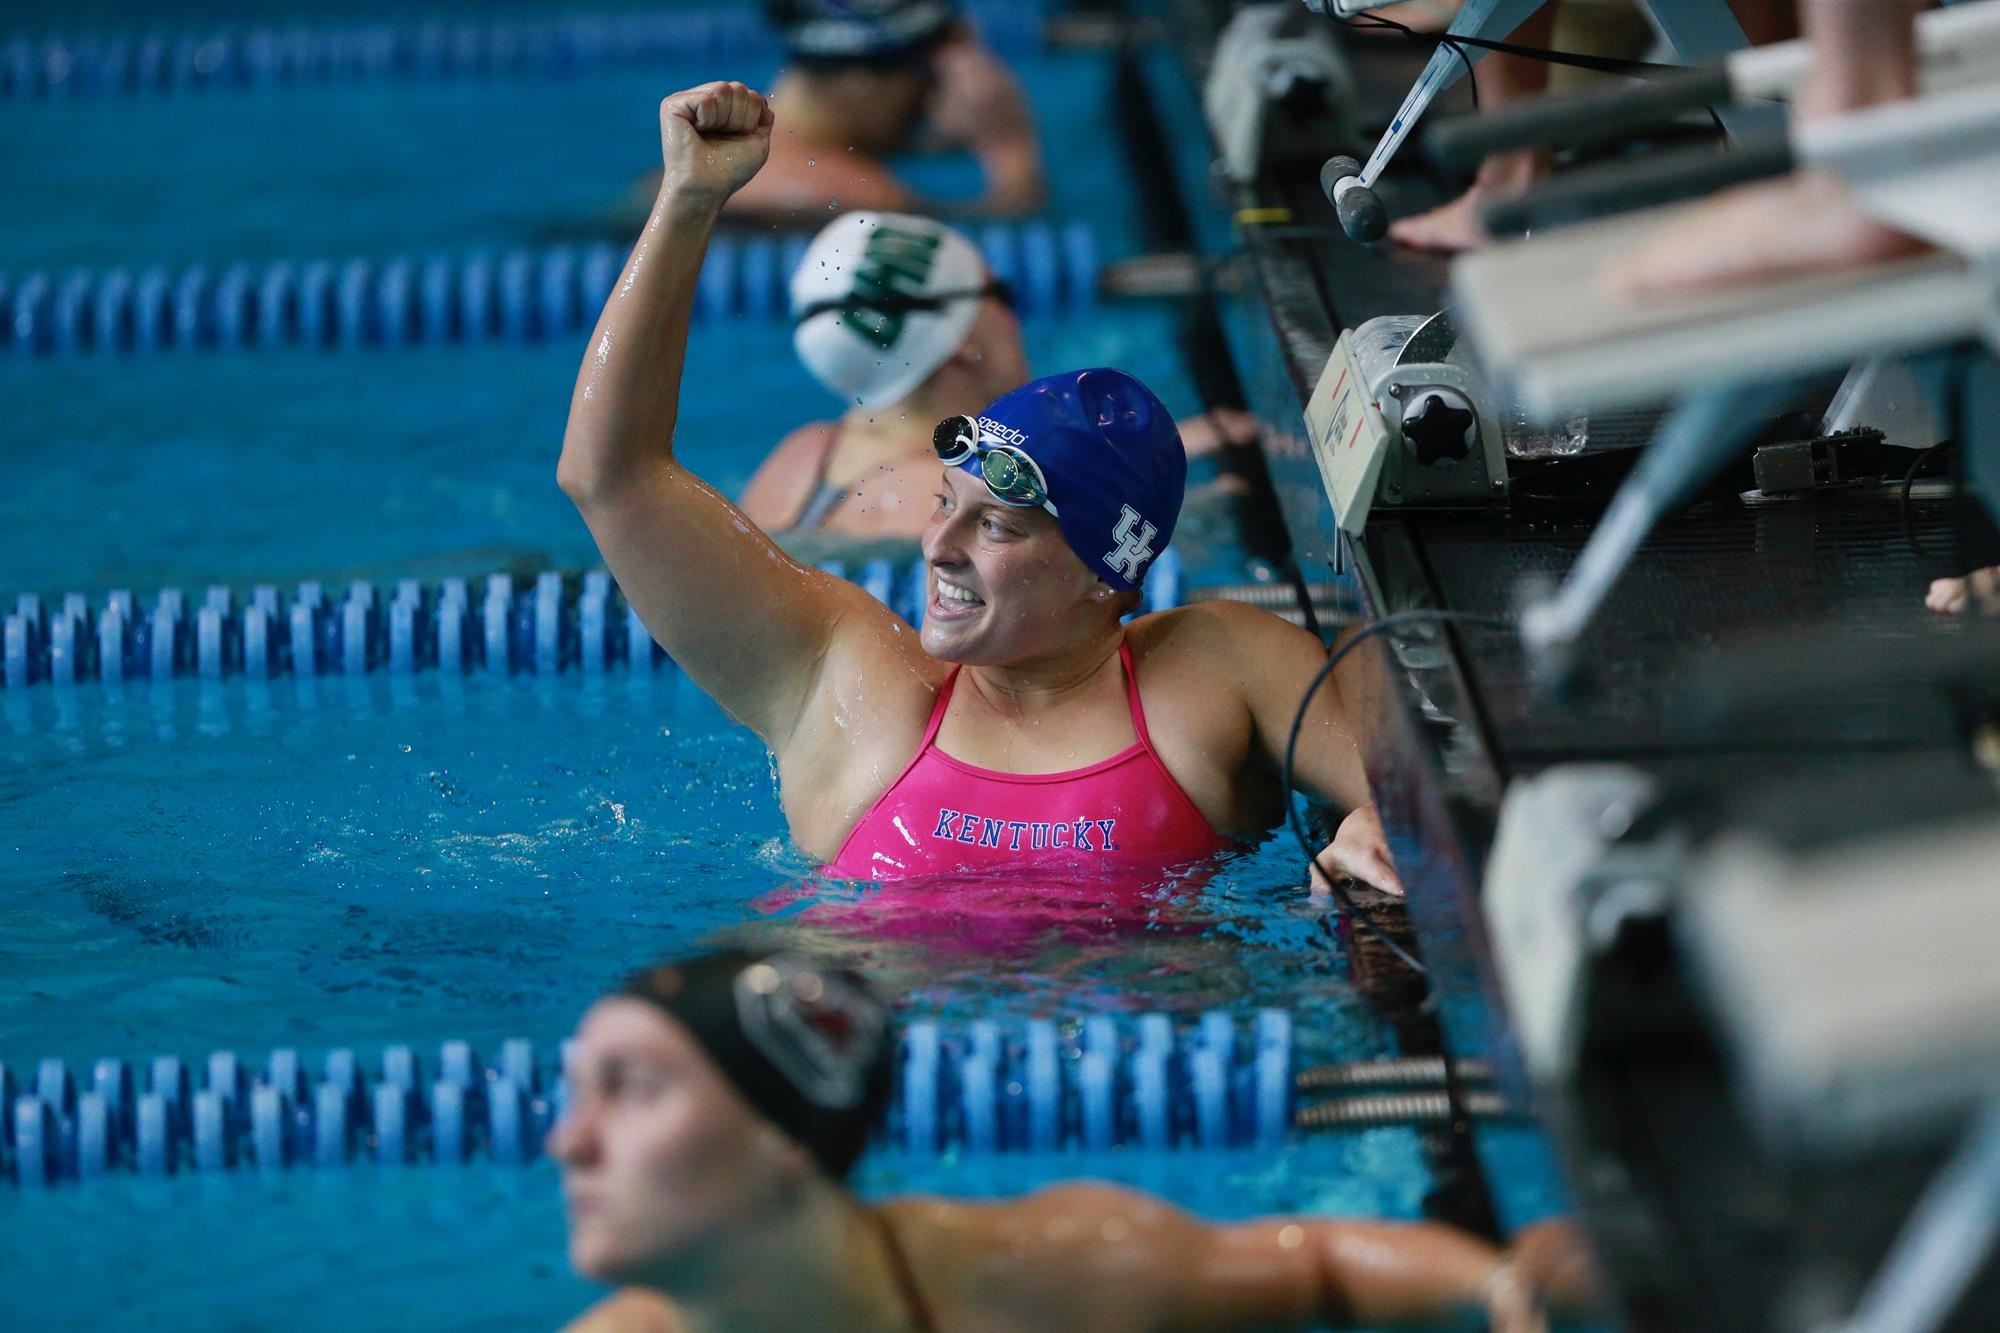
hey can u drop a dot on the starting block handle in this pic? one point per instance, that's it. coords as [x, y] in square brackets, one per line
[1488, 20]
[1582, 121]
[1620, 187]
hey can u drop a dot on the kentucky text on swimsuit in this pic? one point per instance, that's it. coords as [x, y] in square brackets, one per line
[958, 826]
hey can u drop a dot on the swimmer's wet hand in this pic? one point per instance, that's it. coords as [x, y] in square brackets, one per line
[1359, 849]
[713, 139]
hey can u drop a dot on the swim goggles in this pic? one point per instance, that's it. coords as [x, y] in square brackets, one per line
[897, 303]
[1013, 477]
[817, 1028]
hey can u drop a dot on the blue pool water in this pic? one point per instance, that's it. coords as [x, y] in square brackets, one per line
[481, 1247]
[190, 469]
[357, 862]
[333, 858]
[379, 168]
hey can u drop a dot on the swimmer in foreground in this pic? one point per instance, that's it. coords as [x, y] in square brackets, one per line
[899, 317]
[717, 1107]
[1026, 726]
[865, 80]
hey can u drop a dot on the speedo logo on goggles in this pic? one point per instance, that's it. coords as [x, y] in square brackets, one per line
[1013, 477]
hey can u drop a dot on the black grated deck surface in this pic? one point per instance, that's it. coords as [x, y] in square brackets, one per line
[1734, 630]
[1775, 592]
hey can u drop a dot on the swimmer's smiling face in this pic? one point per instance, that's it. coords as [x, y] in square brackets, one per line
[660, 1155]
[1004, 587]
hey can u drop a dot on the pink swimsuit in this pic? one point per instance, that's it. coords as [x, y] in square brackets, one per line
[1124, 813]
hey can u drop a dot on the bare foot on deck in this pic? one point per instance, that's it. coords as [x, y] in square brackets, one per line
[1951, 597]
[1803, 223]
[1217, 428]
[1421, 15]
[1456, 226]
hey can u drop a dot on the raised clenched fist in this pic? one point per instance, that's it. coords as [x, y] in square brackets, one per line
[714, 138]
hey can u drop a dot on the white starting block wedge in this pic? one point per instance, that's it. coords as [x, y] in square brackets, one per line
[1534, 310]
[1930, 166]
[1956, 48]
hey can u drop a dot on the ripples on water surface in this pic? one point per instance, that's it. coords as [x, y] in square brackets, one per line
[368, 860]
[336, 861]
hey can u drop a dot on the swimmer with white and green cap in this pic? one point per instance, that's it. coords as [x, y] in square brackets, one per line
[899, 318]
[717, 1106]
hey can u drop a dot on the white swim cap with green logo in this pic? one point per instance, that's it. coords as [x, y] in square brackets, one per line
[874, 355]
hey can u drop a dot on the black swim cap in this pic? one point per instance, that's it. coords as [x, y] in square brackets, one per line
[837, 31]
[809, 1045]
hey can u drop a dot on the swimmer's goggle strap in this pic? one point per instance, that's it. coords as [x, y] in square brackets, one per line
[1013, 477]
[820, 1031]
[897, 303]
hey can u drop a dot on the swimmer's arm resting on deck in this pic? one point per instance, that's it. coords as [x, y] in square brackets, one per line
[747, 623]
[1308, 1272]
[1275, 662]
[1280, 660]
[1102, 1256]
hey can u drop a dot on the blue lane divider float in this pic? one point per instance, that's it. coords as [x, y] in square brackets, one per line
[547, 624]
[264, 56]
[522, 296]
[987, 1087]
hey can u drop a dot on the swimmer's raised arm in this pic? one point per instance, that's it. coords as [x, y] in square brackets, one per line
[981, 108]
[746, 622]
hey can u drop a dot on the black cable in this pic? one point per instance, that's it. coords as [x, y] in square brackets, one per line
[1910, 476]
[1574, 59]
[1953, 427]
[1450, 43]
[1333, 659]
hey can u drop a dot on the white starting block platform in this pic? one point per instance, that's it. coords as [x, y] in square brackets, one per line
[1930, 166]
[1542, 323]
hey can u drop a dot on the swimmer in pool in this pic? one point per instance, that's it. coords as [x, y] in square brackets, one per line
[863, 80]
[1025, 726]
[717, 1107]
[899, 317]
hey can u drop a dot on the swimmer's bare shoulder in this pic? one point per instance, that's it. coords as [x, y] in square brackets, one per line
[628, 1311]
[1226, 638]
[1224, 679]
[779, 488]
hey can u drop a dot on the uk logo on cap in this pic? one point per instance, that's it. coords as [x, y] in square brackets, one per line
[1135, 544]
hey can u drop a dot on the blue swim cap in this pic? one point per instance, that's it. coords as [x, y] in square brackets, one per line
[1113, 458]
[843, 30]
